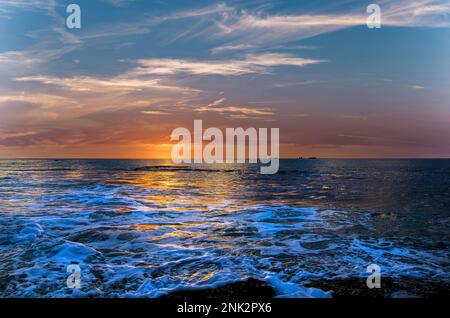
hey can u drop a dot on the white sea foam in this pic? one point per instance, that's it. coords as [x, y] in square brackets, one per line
[133, 238]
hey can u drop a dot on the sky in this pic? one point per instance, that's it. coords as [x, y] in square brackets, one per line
[136, 70]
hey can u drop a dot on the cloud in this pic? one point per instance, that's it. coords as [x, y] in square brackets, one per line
[233, 110]
[301, 83]
[416, 87]
[18, 57]
[216, 102]
[48, 100]
[147, 25]
[226, 48]
[246, 28]
[237, 109]
[250, 64]
[121, 84]
[87, 101]
[256, 28]
[63, 106]
[154, 112]
[9, 7]
[27, 61]
[49, 8]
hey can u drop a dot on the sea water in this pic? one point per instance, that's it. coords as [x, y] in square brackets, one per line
[143, 228]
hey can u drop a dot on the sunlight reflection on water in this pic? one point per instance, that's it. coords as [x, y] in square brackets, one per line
[143, 228]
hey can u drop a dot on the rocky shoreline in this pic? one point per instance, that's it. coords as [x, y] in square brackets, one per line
[250, 288]
[403, 287]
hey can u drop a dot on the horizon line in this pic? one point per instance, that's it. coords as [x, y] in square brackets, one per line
[281, 158]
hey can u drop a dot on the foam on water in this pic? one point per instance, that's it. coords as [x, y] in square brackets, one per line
[148, 232]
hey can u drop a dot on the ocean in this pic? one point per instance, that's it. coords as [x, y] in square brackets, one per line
[144, 228]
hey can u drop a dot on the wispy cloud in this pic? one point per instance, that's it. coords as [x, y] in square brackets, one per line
[48, 100]
[154, 112]
[226, 48]
[10, 7]
[233, 110]
[216, 102]
[120, 83]
[28, 59]
[18, 57]
[244, 27]
[237, 109]
[416, 87]
[250, 64]
[147, 24]
[291, 84]
[72, 98]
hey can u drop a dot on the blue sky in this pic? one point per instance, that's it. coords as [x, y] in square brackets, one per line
[137, 69]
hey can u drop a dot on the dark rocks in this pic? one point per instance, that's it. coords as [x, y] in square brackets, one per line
[404, 287]
[248, 289]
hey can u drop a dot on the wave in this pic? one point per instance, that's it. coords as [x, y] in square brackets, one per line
[139, 234]
[148, 253]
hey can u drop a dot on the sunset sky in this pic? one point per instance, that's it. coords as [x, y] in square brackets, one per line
[117, 87]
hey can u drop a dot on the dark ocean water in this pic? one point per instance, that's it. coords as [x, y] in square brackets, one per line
[142, 228]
